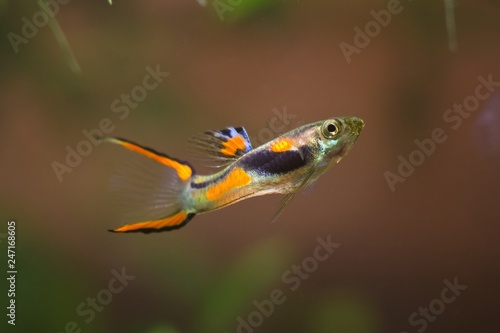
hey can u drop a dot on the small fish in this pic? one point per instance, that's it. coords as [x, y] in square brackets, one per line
[168, 193]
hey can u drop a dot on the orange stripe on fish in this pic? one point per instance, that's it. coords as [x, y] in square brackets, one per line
[236, 178]
[281, 145]
[184, 171]
[233, 145]
[175, 221]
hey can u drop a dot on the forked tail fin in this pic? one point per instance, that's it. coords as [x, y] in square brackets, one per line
[150, 186]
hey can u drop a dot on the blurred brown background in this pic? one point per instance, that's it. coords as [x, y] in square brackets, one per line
[397, 246]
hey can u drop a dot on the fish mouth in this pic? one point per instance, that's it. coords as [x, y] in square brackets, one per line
[355, 125]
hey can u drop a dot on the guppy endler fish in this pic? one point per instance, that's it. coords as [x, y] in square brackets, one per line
[168, 193]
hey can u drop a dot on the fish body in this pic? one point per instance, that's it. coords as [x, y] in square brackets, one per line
[169, 192]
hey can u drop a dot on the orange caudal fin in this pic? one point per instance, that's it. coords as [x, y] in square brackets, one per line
[150, 186]
[184, 170]
[173, 222]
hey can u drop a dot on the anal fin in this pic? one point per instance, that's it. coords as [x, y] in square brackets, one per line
[175, 221]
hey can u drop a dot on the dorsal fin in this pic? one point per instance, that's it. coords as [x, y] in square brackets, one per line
[220, 148]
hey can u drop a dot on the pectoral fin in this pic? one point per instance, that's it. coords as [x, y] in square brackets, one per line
[288, 197]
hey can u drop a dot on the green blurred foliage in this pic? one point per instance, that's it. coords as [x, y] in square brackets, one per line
[343, 312]
[61, 39]
[239, 10]
[46, 294]
[233, 292]
[162, 329]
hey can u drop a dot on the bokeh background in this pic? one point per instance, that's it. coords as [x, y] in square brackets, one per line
[261, 57]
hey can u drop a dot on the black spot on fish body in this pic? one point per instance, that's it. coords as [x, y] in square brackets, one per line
[270, 162]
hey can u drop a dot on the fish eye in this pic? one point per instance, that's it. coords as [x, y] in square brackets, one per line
[330, 129]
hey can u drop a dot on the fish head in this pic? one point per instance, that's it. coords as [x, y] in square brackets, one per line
[335, 137]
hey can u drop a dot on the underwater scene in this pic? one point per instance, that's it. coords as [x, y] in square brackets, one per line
[249, 166]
